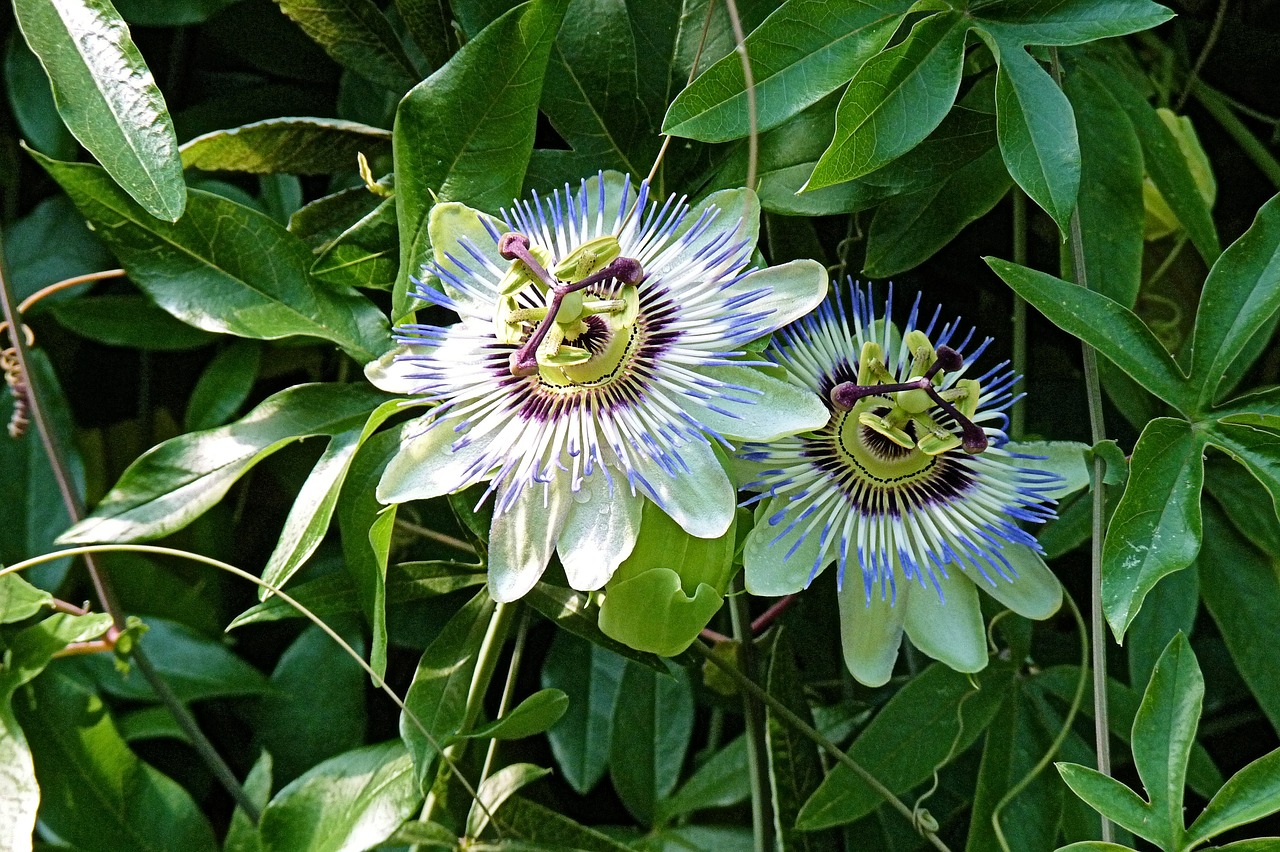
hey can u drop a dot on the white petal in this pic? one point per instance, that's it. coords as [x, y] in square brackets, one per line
[599, 532]
[795, 289]
[452, 227]
[1067, 459]
[700, 499]
[739, 212]
[427, 465]
[779, 408]
[771, 568]
[870, 633]
[1035, 592]
[952, 630]
[521, 539]
[393, 374]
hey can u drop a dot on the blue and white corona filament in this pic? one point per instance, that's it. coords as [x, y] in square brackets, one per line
[908, 483]
[598, 357]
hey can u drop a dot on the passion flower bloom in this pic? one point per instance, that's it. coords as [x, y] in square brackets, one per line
[907, 483]
[599, 359]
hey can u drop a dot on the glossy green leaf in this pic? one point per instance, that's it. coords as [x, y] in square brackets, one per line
[19, 600]
[591, 676]
[174, 483]
[534, 715]
[520, 817]
[907, 739]
[1170, 607]
[437, 697]
[1068, 22]
[1109, 797]
[365, 254]
[315, 709]
[76, 748]
[1110, 202]
[1106, 325]
[795, 766]
[590, 93]
[107, 97]
[575, 612]
[224, 267]
[802, 52]
[496, 789]
[1163, 733]
[1156, 528]
[653, 722]
[1249, 795]
[908, 229]
[1164, 161]
[1246, 502]
[1036, 128]
[132, 321]
[322, 221]
[1240, 295]
[357, 36]
[895, 100]
[466, 132]
[350, 802]
[27, 655]
[431, 26]
[224, 386]
[296, 146]
[31, 99]
[242, 835]
[967, 133]
[723, 780]
[1241, 592]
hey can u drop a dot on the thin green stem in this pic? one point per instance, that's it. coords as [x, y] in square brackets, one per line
[1210, 41]
[753, 131]
[508, 689]
[753, 716]
[806, 730]
[1098, 433]
[1216, 104]
[1018, 416]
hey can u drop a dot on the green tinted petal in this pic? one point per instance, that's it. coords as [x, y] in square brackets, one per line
[701, 499]
[780, 408]
[600, 530]
[426, 466]
[949, 629]
[870, 633]
[796, 288]
[771, 568]
[521, 539]
[1035, 592]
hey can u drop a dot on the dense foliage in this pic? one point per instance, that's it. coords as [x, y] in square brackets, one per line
[297, 616]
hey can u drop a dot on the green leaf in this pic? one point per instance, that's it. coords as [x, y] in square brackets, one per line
[437, 697]
[77, 749]
[1156, 528]
[466, 132]
[242, 835]
[656, 713]
[19, 600]
[430, 24]
[107, 97]
[170, 13]
[910, 228]
[1246, 501]
[496, 789]
[723, 780]
[1068, 22]
[908, 738]
[534, 715]
[519, 817]
[800, 53]
[1249, 795]
[365, 254]
[132, 321]
[591, 676]
[1106, 325]
[795, 766]
[1110, 202]
[1242, 593]
[1036, 128]
[352, 801]
[590, 94]
[224, 267]
[296, 146]
[357, 36]
[1165, 162]
[313, 507]
[31, 99]
[1110, 798]
[1163, 733]
[575, 612]
[1240, 295]
[1092, 845]
[174, 483]
[895, 100]
[224, 385]
[315, 709]
[1170, 608]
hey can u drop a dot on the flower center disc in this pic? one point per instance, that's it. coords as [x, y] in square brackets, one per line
[880, 459]
[611, 344]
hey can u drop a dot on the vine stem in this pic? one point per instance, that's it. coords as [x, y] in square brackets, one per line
[1098, 433]
[1018, 416]
[753, 716]
[786, 714]
[508, 690]
[101, 582]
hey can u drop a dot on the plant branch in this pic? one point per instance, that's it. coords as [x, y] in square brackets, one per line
[1018, 416]
[753, 719]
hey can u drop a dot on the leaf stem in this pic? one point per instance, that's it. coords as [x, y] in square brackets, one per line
[753, 131]
[101, 583]
[1216, 105]
[753, 716]
[1098, 433]
[1018, 416]
[786, 714]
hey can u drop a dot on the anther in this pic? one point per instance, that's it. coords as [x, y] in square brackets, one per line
[948, 360]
